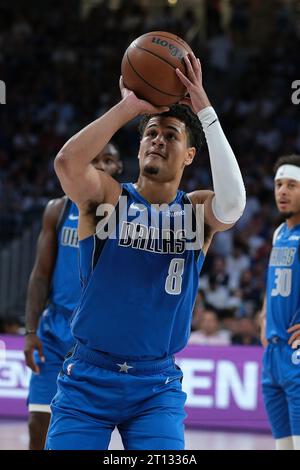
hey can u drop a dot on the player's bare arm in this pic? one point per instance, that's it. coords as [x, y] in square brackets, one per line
[40, 279]
[263, 314]
[223, 206]
[205, 197]
[79, 179]
[84, 184]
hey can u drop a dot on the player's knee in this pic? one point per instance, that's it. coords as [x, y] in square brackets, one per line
[38, 426]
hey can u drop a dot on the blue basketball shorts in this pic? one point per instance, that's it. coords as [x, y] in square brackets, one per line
[281, 388]
[98, 392]
[54, 332]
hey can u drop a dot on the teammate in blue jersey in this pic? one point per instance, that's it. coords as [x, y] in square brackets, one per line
[281, 312]
[54, 281]
[139, 262]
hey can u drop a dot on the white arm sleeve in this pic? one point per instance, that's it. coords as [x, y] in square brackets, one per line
[230, 197]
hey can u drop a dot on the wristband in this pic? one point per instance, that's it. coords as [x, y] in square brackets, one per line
[28, 331]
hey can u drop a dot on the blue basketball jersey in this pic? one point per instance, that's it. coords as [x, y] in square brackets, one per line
[66, 288]
[283, 285]
[140, 283]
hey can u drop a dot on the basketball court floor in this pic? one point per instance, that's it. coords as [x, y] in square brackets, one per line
[14, 436]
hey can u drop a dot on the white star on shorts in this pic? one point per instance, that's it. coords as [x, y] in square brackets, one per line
[124, 367]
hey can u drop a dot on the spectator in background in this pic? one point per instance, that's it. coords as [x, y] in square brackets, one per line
[209, 331]
[246, 333]
[10, 326]
[216, 288]
[237, 263]
[198, 309]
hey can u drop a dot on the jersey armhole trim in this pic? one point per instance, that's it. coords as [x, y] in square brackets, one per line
[63, 213]
[276, 232]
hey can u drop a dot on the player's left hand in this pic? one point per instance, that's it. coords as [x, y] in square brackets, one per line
[294, 340]
[197, 99]
[138, 105]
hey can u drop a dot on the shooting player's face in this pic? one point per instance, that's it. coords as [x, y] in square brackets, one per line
[164, 149]
[287, 196]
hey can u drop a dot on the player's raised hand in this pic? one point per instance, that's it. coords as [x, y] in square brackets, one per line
[197, 98]
[139, 105]
[33, 342]
[294, 340]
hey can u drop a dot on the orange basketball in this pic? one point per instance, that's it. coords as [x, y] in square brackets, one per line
[148, 67]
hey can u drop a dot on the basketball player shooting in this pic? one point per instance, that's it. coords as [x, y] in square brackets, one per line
[139, 287]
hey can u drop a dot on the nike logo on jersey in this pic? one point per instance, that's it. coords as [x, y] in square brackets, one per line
[73, 217]
[170, 379]
[141, 208]
[137, 207]
[294, 237]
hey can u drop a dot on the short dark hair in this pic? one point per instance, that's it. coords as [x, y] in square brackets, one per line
[287, 160]
[184, 114]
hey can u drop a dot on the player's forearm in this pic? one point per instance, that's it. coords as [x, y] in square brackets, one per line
[262, 321]
[80, 149]
[37, 296]
[263, 313]
[230, 197]
[200, 100]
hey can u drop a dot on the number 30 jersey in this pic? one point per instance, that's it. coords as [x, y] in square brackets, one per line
[283, 285]
[141, 281]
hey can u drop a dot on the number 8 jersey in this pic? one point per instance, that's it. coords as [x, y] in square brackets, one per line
[283, 285]
[140, 277]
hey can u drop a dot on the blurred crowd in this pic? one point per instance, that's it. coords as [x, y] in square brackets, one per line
[62, 67]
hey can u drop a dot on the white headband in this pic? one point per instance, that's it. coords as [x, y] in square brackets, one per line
[291, 172]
